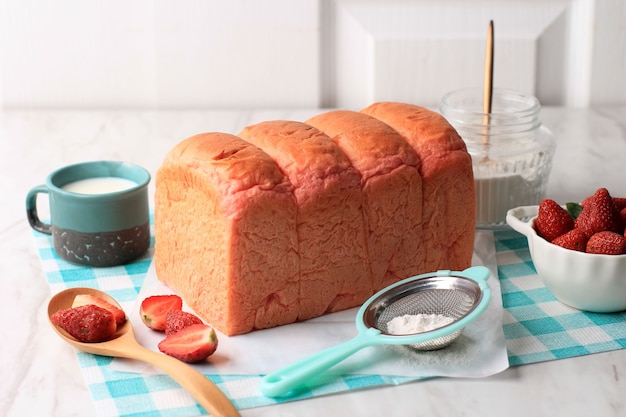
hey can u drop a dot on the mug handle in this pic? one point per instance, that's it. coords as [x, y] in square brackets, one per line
[31, 210]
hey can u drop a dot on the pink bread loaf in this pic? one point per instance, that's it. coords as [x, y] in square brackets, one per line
[286, 223]
[448, 182]
[392, 191]
[225, 222]
[334, 269]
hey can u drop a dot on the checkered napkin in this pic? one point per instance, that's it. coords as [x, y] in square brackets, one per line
[536, 326]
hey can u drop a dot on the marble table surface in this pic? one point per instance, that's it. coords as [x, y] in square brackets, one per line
[40, 374]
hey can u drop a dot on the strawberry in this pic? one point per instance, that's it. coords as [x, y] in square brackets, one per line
[552, 220]
[620, 202]
[599, 214]
[191, 344]
[574, 240]
[176, 320]
[154, 310]
[86, 299]
[607, 243]
[88, 323]
[622, 214]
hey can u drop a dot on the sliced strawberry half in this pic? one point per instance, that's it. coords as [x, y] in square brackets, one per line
[154, 310]
[87, 299]
[191, 344]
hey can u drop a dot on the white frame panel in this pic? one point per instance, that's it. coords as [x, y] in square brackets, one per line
[306, 53]
[418, 50]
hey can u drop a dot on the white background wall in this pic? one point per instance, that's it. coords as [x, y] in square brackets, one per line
[304, 53]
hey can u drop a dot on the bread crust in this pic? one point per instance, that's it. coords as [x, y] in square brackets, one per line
[223, 209]
[392, 191]
[449, 207]
[289, 220]
[334, 269]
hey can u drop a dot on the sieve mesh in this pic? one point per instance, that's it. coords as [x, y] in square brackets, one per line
[453, 297]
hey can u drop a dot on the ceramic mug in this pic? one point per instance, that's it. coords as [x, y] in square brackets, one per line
[99, 212]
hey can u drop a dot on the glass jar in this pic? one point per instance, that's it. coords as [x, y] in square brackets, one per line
[511, 151]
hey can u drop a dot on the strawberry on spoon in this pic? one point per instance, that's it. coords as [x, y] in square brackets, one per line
[124, 345]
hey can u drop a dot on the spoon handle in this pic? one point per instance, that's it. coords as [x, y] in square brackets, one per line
[198, 385]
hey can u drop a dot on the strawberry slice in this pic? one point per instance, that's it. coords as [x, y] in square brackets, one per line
[86, 299]
[191, 344]
[88, 323]
[154, 310]
[176, 320]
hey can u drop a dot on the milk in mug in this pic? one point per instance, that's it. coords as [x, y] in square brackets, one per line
[99, 185]
[99, 213]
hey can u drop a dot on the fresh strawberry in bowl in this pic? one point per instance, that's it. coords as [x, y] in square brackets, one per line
[578, 250]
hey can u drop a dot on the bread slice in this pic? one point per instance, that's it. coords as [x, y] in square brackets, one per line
[334, 261]
[449, 206]
[225, 227]
[392, 191]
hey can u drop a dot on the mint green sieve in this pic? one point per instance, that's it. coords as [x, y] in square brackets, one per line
[461, 296]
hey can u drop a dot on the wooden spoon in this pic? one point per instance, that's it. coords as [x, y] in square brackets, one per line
[124, 345]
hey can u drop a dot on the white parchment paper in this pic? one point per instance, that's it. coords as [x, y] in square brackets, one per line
[480, 350]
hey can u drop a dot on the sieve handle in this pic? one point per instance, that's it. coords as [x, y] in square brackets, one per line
[292, 376]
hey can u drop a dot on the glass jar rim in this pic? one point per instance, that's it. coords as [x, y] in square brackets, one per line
[520, 103]
[512, 111]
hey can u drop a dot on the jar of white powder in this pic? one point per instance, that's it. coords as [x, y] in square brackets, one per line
[511, 150]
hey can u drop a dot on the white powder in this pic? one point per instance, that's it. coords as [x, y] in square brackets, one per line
[497, 192]
[416, 323]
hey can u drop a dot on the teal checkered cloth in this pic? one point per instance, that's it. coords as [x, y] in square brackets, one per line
[536, 326]
[539, 328]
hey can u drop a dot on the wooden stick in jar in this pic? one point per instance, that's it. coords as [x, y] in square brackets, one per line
[488, 82]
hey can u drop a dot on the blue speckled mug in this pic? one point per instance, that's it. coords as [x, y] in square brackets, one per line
[99, 212]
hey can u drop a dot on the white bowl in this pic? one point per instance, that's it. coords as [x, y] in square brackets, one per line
[589, 282]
